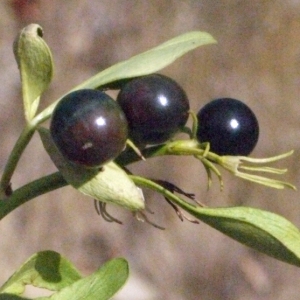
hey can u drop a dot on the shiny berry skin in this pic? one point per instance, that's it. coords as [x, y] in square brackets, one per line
[155, 106]
[229, 126]
[89, 128]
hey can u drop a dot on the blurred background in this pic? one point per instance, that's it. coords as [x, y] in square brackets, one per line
[256, 60]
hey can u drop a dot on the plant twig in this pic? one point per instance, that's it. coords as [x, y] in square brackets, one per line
[14, 158]
[31, 190]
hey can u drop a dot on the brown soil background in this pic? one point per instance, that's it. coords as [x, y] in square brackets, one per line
[257, 60]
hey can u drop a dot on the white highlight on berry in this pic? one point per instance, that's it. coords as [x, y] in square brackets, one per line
[100, 121]
[163, 100]
[234, 123]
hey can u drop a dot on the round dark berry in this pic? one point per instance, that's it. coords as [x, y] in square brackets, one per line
[155, 106]
[89, 128]
[229, 126]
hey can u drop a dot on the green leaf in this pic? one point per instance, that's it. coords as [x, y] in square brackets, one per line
[35, 64]
[110, 184]
[262, 230]
[145, 63]
[46, 269]
[101, 285]
[152, 60]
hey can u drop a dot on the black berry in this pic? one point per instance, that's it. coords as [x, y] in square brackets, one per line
[229, 126]
[155, 106]
[89, 128]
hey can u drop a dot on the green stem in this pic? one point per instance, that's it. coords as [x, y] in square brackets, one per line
[147, 183]
[14, 158]
[45, 114]
[188, 147]
[30, 191]
[129, 156]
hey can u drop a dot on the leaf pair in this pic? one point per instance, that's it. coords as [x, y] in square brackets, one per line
[49, 270]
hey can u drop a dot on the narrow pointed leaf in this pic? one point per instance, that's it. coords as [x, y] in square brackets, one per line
[262, 230]
[101, 285]
[35, 64]
[145, 63]
[110, 184]
[152, 60]
[46, 269]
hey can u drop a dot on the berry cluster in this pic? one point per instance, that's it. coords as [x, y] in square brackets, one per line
[91, 129]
